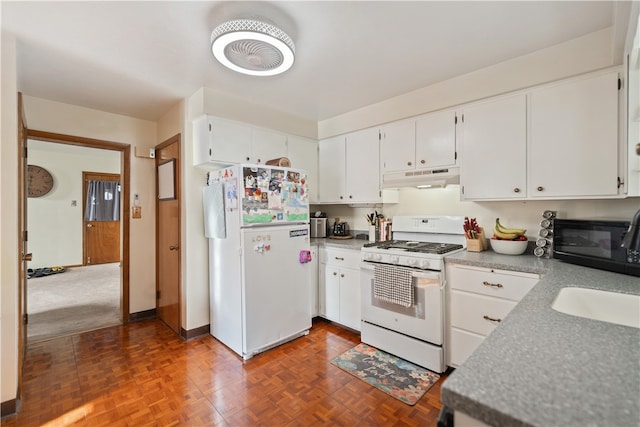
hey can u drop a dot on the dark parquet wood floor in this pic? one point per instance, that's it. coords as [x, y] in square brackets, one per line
[142, 374]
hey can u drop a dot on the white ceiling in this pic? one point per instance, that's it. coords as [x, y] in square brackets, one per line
[139, 58]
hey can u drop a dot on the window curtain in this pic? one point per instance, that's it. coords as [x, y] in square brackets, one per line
[103, 201]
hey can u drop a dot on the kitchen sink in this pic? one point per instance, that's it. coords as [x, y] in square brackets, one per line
[612, 307]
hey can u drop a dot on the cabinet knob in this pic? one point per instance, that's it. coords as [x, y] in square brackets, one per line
[409, 163]
[335, 274]
[341, 197]
[540, 188]
[342, 275]
[247, 158]
[258, 161]
[350, 196]
[516, 190]
[423, 161]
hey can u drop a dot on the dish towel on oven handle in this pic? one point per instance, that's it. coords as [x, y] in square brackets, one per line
[393, 284]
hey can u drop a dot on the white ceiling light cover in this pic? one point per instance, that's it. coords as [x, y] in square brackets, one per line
[252, 47]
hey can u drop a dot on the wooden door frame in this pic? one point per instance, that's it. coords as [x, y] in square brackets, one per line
[178, 191]
[23, 257]
[125, 172]
[85, 186]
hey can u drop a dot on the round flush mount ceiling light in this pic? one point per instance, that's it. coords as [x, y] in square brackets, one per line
[252, 47]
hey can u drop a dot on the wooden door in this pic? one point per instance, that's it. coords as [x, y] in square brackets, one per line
[168, 236]
[101, 239]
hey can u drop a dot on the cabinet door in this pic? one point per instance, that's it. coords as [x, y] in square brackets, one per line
[436, 140]
[332, 293]
[303, 154]
[363, 166]
[397, 146]
[230, 141]
[574, 138]
[331, 170]
[493, 149]
[202, 129]
[350, 298]
[267, 145]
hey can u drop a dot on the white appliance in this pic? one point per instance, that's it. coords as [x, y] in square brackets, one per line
[403, 284]
[257, 222]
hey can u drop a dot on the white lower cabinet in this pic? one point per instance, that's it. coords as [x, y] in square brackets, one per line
[339, 286]
[478, 299]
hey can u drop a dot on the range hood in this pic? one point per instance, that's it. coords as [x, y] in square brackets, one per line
[422, 178]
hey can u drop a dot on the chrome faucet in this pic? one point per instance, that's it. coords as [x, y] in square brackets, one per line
[631, 240]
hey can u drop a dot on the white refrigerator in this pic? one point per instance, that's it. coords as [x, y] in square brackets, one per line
[257, 222]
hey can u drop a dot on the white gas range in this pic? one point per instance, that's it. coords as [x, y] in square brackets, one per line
[402, 288]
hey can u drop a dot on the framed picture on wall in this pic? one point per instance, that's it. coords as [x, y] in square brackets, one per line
[167, 180]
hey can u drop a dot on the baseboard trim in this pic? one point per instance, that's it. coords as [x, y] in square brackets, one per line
[8, 408]
[142, 315]
[194, 333]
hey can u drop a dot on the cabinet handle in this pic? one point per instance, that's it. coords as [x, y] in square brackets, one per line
[423, 161]
[485, 317]
[339, 258]
[540, 188]
[409, 163]
[516, 190]
[495, 285]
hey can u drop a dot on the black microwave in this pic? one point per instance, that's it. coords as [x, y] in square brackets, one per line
[594, 243]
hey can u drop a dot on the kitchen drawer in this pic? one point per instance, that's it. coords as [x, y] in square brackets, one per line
[462, 344]
[341, 257]
[512, 285]
[474, 312]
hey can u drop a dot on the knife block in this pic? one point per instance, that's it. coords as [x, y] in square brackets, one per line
[479, 244]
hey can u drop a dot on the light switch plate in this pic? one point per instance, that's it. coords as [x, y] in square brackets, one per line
[136, 212]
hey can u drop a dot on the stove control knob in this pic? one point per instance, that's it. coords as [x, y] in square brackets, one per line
[367, 257]
[377, 257]
[412, 262]
[424, 264]
[394, 259]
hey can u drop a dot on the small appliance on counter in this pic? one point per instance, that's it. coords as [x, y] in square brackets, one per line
[318, 224]
[340, 230]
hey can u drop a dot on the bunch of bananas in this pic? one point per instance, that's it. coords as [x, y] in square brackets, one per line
[503, 233]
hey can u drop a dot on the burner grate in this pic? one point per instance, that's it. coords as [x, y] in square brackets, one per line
[411, 246]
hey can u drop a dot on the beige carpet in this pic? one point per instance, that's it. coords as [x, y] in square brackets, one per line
[78, 300]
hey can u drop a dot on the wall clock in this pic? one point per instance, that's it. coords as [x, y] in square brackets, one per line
[39, 181]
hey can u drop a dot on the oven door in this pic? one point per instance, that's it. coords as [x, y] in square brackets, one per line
[423, 320]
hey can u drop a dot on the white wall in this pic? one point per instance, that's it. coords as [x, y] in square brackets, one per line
[46, 115]
[514, 214]
[578, 56]
[9, 220]
[54, 223]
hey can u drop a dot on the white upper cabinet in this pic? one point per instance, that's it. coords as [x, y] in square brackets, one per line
[348, 166]
[363, 167]
[331, 169]
[493, 149]
[426, 142]
[266, 145]
[574, 138]
[303, 154]
[398, 146]
[220, 140]
[436, 139]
